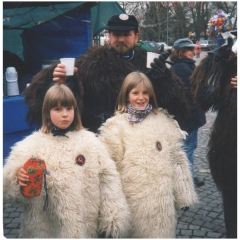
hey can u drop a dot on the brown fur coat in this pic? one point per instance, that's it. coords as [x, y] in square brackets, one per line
[97, 83]
[212, 89]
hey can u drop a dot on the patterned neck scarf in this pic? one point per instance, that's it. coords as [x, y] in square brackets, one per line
[61, 132]
[136, 115]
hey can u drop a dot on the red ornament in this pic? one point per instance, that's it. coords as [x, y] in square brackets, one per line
[35, 169]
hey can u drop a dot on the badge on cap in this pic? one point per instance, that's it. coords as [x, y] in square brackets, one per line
[123, 17]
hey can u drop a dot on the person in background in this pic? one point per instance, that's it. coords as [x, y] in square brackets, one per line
[184, 65]
[198, 49]
[146, 144]
[220, 39]
[214, 87]
[193, 38]
[99, 75]
[84, 191]
[105, 42]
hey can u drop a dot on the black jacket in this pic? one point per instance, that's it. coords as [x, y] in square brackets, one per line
[184, 68]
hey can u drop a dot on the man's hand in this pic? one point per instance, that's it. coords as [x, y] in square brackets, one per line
[59, 74]
[160, 62]
[159, 65]
[234, 82]
[166, 54]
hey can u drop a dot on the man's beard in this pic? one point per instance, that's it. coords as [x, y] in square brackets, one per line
[122, 49]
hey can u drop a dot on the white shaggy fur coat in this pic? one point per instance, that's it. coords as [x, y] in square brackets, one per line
[83, 200]
[156, 179]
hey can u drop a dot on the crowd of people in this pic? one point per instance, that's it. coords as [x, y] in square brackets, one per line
[118, 140]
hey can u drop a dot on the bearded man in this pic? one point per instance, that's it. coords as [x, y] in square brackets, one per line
[99, 75]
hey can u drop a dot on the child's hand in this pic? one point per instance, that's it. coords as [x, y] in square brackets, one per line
[22, 177]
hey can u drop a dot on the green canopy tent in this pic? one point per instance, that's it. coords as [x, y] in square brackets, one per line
[36, 32]
[19, 16]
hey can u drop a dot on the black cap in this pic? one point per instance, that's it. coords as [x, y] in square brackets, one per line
[222, 51]
[183, 42]
[122, 22]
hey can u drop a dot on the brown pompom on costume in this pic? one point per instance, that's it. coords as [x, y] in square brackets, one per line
[97, 83]
[211, 87]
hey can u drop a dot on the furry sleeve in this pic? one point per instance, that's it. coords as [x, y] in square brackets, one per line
[114, 211]
[206, 76]
[20, 153]
[110, 135]
[203, 84]
[184, 191]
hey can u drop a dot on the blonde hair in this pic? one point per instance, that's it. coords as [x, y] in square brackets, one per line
[55, 96]
[131, 81]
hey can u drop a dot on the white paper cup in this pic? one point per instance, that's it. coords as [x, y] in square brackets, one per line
[69, 65]
[150, 57]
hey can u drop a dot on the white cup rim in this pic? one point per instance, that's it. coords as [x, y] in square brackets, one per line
[66, 58]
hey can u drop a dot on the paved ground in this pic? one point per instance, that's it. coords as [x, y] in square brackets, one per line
[204, 220]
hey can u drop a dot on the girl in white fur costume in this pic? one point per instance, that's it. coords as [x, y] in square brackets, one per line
[85, 199]
[146, 143]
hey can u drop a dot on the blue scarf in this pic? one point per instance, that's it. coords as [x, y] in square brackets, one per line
[129, 56]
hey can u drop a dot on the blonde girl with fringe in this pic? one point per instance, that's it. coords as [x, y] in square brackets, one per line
[146, 144]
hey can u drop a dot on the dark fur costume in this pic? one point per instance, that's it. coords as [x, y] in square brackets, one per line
[212, 88]
[97, 83]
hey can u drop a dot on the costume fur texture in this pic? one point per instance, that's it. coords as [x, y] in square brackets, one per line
[155, 181]
[84, 201]
[212, 89]
[97, 83]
